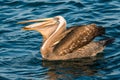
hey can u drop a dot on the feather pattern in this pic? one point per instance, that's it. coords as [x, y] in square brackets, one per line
[76, 38]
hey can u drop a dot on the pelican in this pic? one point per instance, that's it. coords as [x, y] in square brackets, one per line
[60, 43]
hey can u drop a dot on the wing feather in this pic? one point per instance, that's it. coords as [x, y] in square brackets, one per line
[77, 37]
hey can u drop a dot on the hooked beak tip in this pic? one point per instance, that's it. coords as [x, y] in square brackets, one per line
[25, 28]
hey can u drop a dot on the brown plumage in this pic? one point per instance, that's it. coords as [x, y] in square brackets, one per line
[78, 37]
[63, 44]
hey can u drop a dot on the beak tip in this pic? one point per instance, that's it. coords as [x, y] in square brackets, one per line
[20, 22]
[24, 28]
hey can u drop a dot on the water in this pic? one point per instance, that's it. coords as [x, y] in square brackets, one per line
[20, 58]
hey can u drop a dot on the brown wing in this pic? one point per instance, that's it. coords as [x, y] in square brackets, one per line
[76, 38]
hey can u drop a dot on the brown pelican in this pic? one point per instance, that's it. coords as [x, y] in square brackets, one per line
[60, 43]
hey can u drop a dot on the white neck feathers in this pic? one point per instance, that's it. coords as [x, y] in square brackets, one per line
[61, 27]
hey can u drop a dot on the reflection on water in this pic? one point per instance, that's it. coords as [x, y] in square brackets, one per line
[72, 69]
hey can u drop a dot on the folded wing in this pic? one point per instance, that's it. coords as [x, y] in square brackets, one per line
[76, 38]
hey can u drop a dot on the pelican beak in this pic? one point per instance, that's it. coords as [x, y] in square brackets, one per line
[40, 23]
[37, 20]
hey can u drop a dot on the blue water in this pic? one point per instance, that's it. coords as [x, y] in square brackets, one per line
[20, 57]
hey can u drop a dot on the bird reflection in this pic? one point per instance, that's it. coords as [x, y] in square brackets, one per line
[69, 70]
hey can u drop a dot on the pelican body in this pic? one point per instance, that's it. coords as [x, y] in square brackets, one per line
[60, 43]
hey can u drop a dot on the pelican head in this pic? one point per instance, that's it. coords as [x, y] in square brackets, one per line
[45, 26]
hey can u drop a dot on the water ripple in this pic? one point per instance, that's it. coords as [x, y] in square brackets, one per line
[20, 58]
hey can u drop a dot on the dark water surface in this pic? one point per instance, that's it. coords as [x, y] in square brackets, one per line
[20, 58]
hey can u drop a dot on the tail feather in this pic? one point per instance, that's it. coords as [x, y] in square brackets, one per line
[100, 31]
[107, 41]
